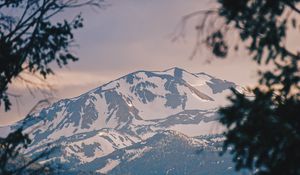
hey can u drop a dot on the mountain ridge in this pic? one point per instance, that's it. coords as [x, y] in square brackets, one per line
[124, 113]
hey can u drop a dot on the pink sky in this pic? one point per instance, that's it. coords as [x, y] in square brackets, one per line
[127, 36]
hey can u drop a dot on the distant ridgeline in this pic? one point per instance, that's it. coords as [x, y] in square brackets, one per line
[147, 122]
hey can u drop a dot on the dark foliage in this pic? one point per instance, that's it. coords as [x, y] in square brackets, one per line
[263, 131]
[30, 39]
[263, 24]
[13, 163]
[9, 149]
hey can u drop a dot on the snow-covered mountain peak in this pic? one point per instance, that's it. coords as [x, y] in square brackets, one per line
[141, 95]
[148, 107]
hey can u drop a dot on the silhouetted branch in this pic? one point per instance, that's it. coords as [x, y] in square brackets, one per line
[34, 40]
[292, 6]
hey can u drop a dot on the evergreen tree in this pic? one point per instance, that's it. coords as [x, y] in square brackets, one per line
[263, 132]
[30, 41]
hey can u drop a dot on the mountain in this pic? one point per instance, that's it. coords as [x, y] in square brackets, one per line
[167, 152]
[130, 117]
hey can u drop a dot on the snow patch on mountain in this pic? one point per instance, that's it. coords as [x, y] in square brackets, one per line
[129, 120]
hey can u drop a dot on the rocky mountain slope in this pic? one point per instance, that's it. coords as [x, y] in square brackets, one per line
[136, 124]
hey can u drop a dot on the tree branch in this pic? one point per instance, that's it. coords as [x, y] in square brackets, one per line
[288, 3]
